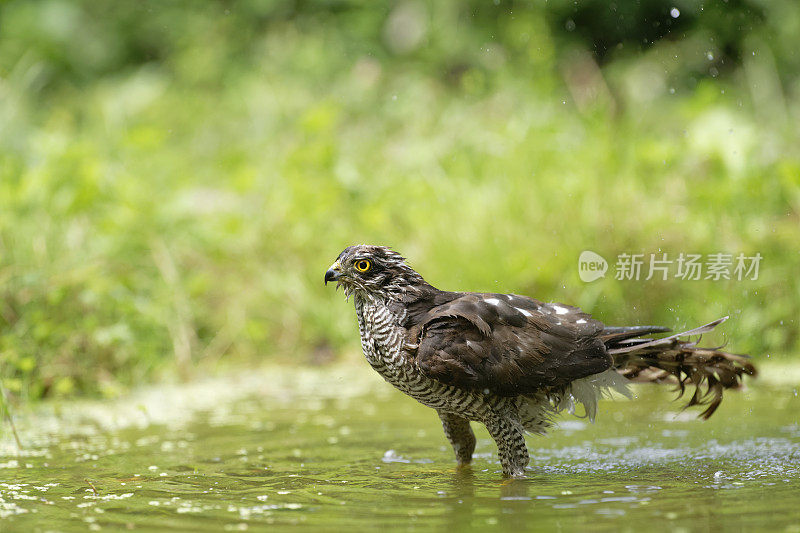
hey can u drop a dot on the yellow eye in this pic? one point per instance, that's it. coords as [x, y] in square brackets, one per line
[362, 265]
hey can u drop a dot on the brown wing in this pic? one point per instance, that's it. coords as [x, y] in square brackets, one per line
[509, 344]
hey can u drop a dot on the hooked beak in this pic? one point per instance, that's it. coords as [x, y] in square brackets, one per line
[333, 273]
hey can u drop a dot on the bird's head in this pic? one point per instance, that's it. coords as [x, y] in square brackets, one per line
[372, 272]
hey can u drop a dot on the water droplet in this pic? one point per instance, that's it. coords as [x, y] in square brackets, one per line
[674, 12]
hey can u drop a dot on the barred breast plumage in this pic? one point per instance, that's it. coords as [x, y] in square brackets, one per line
[382, 338]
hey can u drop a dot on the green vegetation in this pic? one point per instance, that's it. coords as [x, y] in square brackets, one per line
[175, 177]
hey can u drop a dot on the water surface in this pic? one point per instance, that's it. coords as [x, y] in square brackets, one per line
[336, 448]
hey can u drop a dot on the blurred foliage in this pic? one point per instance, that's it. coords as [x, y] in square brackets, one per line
[175, 177]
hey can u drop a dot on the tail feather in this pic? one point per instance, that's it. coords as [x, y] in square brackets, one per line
[614, 336]
[681, 362]
[665, 341]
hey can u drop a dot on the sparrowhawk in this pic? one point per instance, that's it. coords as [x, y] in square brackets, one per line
[510, 362]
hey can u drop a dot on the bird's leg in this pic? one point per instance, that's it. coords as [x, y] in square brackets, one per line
[460, 435]
[511, 446]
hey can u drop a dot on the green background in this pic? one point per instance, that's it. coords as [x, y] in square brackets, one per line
[175, 177]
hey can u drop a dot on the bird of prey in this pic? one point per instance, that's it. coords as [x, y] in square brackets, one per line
[511, 362]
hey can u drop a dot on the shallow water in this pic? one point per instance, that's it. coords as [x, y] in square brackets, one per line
[339, 448]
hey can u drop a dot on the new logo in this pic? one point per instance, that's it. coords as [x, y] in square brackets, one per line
[591, 266]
